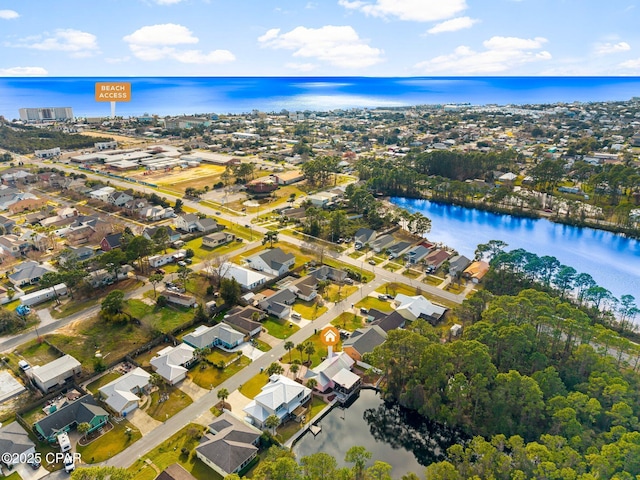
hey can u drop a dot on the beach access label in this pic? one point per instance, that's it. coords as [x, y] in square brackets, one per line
[113, 92]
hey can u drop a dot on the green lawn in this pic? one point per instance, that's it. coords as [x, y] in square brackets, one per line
[94, 386]
[301, 258]
[13, 476]
[453, 288]
[216, 356]
[177, 401]
[209, 376]
[144, 359]
[37, 353]
[336, 293]
[320, 351]
[356, 254]
[372, 302]
[308, 310]
[162, 319]
[170, 452]
[113, 340]
[253, 387]
[110, 444]
[79, 304]
[280, 328]
[396, 288]
[348, 321]
[366, 275]
[409, 273]
[432, 280]
[260, 345]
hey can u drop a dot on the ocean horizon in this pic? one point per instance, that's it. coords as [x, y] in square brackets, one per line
[234, 95]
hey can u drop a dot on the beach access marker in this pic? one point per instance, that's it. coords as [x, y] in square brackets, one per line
[113, 92]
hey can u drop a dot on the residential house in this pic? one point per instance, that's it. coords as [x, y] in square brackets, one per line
[324, 272]
[156, 212]
[26, 203]
[12, 245]
[216, 239]
[175, 472]
[281, 397]
[458, 264]
[102, 277]
[305, 288]
[390, 322]
[83, 410]
[363, 340]
[179, 298]
[382, 243]
[248, 279]
[220, 335]
[336, 373]
[279, 304]
[55, 373]
[6, 224]
[156, 261]
[119, 198]
[190, 222]
[15, 445]
[436, 258]
[43, 295]
[416, 254]
[417, 306]
[245, 320]
[398, 249]
[363, 237]
[111, 241]
[27, 273]
[78, 234]
[172, 235]
[230, 446]
[77, 253]
[273, 262]
[102, 193]
[476, 271]
[172, 363]
[322, 199]
[123, 394]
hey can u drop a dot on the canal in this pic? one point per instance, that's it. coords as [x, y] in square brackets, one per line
[612, 260]
[400, 437]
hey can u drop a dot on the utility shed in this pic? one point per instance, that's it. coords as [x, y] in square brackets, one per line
[56, 373]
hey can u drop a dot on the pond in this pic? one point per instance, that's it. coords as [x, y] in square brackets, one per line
[396, 435]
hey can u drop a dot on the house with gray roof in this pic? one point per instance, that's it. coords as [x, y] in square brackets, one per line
[172, 363]
[458, 264]
[382, 243]
[363, 340]
[242, 320]
[279, 304]
[390, 322]
[122, 394]
[55, 373]
[305, 288]
[417, 254]
[218, 335]
[84, 409]
[362, 237]
[27, 273]
[325, 272]
[175, 471]
[281, 397]
[15, 441]
[398, 249]
[273, 262]
[230, 445]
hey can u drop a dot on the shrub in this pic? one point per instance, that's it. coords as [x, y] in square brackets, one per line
[161, 301]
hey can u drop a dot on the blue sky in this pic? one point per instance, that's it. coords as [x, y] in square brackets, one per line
[319, 38]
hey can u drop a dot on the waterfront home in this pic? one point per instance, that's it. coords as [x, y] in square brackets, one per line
[458, 264]
[363, 340]
[335, 373]
[416, 254]
[398, 249]
[281, 397]
[476, 271]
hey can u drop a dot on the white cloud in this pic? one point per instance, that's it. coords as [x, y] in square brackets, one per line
[301, 67]
[163, 34]
[608, 48]
[8, 14]
[500, 54]
[158, 42]
[336, 45]
[22, 71]
[413, 10]
[77, 43]
[453, 25]
[115, 60]
[167, 2]
[631, 64]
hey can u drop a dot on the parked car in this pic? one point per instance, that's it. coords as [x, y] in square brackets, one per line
[35, 464]
[382, 297]
[372, 262]
[182, 263]
[160, 271]
[188, 261]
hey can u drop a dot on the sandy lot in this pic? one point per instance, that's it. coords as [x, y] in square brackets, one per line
[119, 138]
[180, 179]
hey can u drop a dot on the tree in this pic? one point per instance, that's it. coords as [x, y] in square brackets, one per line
[184, 274]
[161, 239]
[312, 383]
[294, 369]
[300, 348]
[50, 280]
[319, 466]
[155, 279]
[83, 428]
[270, 237]
[288, 346]
[230, 291]
[379, 471]
[359, 456]
[223, 394]
[137, 249]
[113, 303]
[272, 422]
[177, 208]
[101, 473]
[309, 349]
[274, 369]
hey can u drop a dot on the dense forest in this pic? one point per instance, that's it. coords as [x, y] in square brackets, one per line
[24, 140]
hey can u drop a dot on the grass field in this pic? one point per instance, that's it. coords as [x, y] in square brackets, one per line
[110, 444]
[37, 353]
[336, 293]
[348, 321]
[170, 452]
[96, 385]
[316, 357]
[279, 328]
[308, 310]
[209, 377]
[177, 401]
[162, 319]
[113, 340]
[253, 387]
[180, 179]
[79, 304]
[371, 302]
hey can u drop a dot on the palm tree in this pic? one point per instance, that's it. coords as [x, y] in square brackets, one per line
[84, 428]
[312, 383]
[223, 394]
[288, 346]
[309, 349]
[300, 348]
[272, 422]
[294, 369]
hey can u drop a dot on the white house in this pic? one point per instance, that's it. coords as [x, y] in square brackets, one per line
[43, 295]
[247, 279]
[121, 395]
[190, 222]
[156, 261]
[102, 193]
[280, 397]
[171, 363]
[220, 334]
[416, 307]
[273, 262]
[55, 373]
[119, 198]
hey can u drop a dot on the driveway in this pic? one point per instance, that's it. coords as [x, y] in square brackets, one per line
[269, 339]
[249, 351]
[28, 473]
[191, 389]
[142, 421]
[237, 401]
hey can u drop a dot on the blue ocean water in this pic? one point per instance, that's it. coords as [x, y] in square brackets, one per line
[189, 95]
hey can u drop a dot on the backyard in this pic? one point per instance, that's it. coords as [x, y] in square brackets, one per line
[170, 452]
[290, 428]
[372, 302]
[162, 319]
[336, 293]
[96, 385]
[36, 352]
[209, 376]
[319, 354]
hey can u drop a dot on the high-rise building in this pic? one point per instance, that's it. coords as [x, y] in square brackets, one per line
[46, 114]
